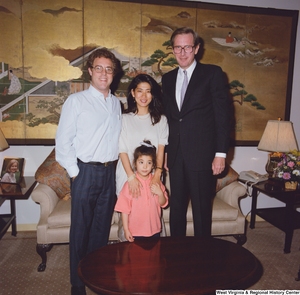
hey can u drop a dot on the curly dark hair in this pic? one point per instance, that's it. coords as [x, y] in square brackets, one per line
[145, 150]
[155, 106]
[103, 52]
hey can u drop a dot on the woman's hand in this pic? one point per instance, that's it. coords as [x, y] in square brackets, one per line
[134, 187]
[165, 165]
[156, 177]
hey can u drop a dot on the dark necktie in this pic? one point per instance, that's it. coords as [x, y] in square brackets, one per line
[184, 87]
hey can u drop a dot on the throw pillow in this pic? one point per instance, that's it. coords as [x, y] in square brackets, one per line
[55, 176]
[228, 176]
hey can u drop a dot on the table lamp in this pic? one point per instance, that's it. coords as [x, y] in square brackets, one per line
[278, 137]
[3, 143]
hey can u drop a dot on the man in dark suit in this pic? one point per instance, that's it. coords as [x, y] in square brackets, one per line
[199, 133]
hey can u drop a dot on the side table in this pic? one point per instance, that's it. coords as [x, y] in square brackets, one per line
[286, 218]
[13, 192]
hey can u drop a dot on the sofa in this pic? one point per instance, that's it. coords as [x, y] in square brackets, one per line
[53, 195]
[227, 218]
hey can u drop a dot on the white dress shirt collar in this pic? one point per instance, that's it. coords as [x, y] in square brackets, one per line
[97, 93]
[189, 70]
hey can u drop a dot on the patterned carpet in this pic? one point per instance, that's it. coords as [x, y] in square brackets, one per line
[19, 261]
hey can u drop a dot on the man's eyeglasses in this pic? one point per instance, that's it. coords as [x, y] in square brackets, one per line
[186, 48]
[99, 69]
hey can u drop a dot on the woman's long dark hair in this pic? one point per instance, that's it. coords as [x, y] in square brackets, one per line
[155, 106]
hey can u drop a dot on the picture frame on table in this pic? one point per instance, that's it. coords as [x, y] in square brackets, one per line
[12, 170]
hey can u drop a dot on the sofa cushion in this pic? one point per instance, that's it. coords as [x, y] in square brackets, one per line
[60, 216]
[221, 211]
[228, 176]
[55, 176]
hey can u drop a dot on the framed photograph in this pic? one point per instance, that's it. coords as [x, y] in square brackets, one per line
[254, 46]
[12, 170]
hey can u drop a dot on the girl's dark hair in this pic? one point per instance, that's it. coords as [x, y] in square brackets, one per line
[155, 106]
[145, 150]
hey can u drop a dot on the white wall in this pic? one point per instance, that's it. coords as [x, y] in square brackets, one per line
[245, 158]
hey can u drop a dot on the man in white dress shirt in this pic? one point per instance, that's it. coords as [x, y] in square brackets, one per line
[87, 147]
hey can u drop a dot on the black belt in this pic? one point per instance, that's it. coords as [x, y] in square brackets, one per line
[96, 163]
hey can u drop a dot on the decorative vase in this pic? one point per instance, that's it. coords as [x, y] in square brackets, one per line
[272, 164]
[292, 185]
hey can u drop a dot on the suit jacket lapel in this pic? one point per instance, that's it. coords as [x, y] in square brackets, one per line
[172, 86]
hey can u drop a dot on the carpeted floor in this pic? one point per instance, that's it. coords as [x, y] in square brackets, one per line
[19, 261]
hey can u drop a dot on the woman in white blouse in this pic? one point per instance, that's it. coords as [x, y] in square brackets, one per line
[143, 120]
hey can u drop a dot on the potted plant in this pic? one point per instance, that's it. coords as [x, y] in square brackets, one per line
[288, 169]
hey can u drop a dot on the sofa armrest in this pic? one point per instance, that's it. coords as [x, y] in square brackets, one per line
[47, 198]
[231, 194]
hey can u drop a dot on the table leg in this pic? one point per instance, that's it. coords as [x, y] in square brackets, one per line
[253, 207]
[298, 277]
[288, 227]
[13, 213]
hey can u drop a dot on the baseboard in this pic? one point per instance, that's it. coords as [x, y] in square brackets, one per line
[257, 218]
[32, 227]
[25, 227]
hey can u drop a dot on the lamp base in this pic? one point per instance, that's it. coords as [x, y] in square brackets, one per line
[273, 160]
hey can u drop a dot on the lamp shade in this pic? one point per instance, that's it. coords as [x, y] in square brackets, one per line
[3, 143]
[278, 136]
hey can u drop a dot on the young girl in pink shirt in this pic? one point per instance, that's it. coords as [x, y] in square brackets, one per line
[141, 216]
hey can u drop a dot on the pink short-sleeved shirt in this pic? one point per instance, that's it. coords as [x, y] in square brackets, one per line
[144, 212]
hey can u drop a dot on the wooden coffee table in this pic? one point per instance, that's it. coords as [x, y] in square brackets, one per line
[170, 266]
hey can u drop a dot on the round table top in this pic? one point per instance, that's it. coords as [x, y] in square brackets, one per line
[170, 265]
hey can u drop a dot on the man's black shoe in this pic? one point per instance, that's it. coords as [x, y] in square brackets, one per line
[78, 290]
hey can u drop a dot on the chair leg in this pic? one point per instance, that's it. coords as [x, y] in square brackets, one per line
[42, 249]
[298, 277]
[241, 239]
